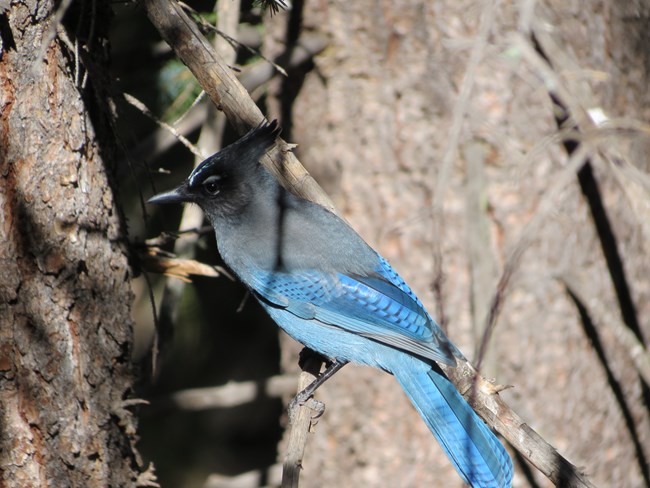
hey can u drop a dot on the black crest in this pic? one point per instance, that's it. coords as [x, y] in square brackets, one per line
[249, 149]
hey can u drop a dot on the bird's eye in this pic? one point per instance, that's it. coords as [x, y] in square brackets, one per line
[211, 185]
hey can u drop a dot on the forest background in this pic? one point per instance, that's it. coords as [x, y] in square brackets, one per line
[495, 152]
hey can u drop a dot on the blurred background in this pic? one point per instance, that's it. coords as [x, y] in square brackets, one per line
[429, 123]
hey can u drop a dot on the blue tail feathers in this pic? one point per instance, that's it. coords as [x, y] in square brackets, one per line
[476, 453]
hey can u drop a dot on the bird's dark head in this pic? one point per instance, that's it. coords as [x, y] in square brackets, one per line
[224, 183]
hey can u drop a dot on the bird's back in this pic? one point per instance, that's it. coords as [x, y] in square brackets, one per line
[281, 232]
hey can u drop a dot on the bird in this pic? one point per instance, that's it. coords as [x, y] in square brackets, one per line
[332, 292]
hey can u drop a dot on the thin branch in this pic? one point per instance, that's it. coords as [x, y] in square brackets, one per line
[301, 424]
[155, 345]
[199, 98]
[180, 268]
[168, 237]
[161, 139]
[309, 45]
[134, 102]
[55, 21]
[481, 262]
[251, 77]
[543, 210]
[234, 43]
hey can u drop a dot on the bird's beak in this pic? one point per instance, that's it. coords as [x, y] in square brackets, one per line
[177, 195]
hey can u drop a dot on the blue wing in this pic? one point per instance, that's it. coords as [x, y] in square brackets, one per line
[379, 306]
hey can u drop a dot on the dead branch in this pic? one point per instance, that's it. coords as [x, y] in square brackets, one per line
[154, 261]
[301, 424]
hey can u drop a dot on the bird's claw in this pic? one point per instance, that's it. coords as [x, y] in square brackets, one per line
[300, 399]
[304, 399]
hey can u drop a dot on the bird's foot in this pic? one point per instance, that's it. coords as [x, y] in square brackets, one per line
[300, 399]
[317, 408]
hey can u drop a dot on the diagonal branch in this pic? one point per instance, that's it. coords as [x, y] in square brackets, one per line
[227, 93]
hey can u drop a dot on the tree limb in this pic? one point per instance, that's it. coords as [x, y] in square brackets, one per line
[227, 92]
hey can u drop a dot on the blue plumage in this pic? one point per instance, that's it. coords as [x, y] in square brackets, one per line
[330, 291]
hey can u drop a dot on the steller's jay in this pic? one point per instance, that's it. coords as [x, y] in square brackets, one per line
[329, 290]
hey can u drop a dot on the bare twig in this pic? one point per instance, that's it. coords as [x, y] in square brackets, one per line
[199, 98]
[251, 77]
[234, 43]
[145, 110]
[301, 423]
[544, 208]
[169, 237]
[161, 139]
[180, 268]
[308, 46]
[55, 20]
[482, 266]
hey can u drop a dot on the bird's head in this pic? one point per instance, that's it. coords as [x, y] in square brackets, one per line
[224, 183]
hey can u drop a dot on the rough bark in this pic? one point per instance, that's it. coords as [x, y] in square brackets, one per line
[65, 326]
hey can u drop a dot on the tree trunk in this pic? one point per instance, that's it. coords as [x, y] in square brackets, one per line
[65, 295]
